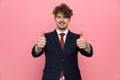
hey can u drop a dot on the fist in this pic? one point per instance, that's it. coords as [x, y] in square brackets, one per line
[41, 42]
[81, 43]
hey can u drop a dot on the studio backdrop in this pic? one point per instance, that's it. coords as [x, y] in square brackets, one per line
[23, 21]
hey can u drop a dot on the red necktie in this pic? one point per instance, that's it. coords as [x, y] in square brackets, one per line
[62, 40]
[62, 46]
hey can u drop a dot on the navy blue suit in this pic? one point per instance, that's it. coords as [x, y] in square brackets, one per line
[57, 60]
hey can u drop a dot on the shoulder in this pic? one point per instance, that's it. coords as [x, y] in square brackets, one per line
[74, 34]
[50, 33]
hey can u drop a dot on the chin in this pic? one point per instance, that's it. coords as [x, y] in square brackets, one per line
[62, 28]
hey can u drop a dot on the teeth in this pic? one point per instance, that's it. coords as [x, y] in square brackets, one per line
[62, 24]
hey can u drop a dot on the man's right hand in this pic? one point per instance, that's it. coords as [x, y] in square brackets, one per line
[41, 42]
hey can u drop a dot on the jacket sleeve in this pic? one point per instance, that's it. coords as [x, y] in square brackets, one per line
[85, 53]
[37, 54]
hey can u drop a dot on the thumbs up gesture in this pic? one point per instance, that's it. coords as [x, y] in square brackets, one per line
[41, 42]
[81, 42]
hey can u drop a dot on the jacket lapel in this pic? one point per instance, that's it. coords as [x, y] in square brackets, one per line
[68, 39]
[56, 40]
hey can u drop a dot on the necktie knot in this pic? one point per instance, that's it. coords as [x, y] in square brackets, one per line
[62, 34]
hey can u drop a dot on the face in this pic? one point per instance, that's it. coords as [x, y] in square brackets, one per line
[61, 21]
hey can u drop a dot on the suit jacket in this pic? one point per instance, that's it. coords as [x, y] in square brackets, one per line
[57, 60]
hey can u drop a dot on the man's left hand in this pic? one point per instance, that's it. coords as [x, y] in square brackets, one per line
[82, 43]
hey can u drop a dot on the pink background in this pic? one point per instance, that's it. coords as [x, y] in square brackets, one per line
[22, 21]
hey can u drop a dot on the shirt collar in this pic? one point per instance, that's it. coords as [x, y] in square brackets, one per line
[65, 32]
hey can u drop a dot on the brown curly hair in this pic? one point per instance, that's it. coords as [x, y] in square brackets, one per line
[63, 8]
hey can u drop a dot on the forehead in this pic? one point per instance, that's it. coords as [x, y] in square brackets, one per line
[60, 14]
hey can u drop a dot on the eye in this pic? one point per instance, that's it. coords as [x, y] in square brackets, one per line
[65, 17]
[58, 16]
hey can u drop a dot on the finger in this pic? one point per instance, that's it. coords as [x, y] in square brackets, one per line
[43, 34]
[81, 35]
[41, 44]
[82, 45]
[41, 38]
[80, 40]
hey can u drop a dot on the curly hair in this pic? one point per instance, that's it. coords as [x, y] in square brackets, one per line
[63, 8]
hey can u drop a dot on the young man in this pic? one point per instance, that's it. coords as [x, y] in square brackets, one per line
[61, 48]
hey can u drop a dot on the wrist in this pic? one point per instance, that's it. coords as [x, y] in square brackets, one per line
[87, 48]
[38, 49]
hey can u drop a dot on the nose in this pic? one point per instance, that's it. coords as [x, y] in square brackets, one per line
[62, 19]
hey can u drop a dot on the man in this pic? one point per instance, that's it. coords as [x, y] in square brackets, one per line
[61, 48]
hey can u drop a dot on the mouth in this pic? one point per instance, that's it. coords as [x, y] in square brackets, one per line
[61, 23]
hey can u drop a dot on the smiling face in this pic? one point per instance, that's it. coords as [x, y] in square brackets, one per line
[62, 16]
[62, 21]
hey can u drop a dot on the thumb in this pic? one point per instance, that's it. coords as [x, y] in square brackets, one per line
[43, 34]
[81, 35]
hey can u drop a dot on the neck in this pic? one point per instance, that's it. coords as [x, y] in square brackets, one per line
[62, 30]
